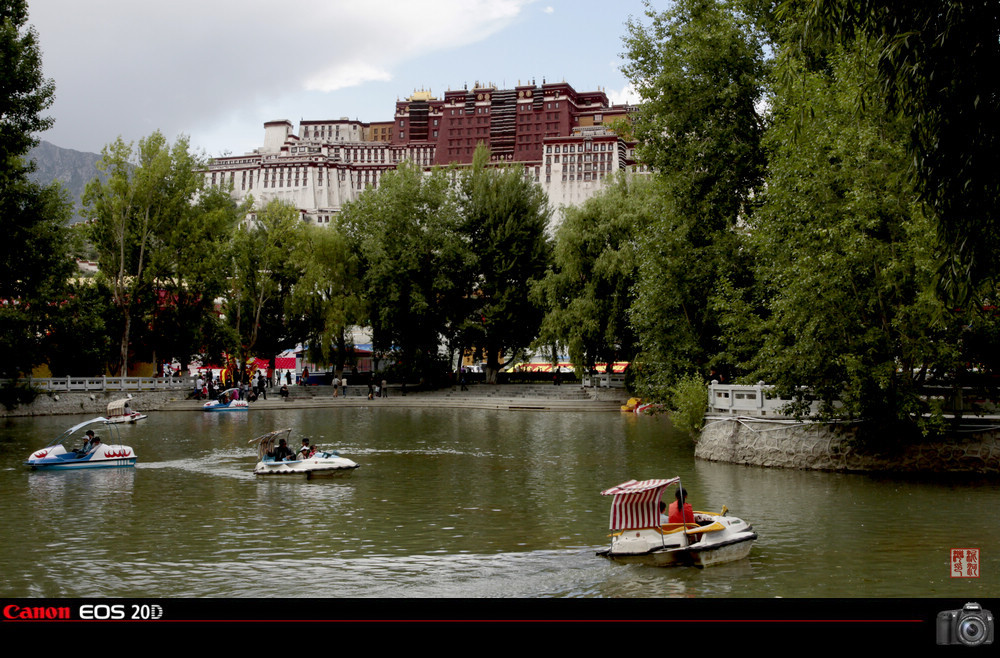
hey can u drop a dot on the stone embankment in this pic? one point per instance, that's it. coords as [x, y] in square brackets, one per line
[508, 396]
[515, 397]
[831, 447]
[92, 402]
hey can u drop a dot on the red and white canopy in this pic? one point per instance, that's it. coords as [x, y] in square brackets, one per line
[637, 504]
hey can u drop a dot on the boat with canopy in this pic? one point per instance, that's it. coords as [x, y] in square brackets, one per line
[60, 455]
[639, 533]
[313, 464]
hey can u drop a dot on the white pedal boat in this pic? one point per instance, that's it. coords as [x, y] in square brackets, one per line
[229, 400]
[320, 464]
[61, 455]
[120, 411]
[639, 536]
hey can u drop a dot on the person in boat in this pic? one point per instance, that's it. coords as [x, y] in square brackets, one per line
[90, 443]
[675, 514]
[283, 452]
[88, 439]
[306, 451]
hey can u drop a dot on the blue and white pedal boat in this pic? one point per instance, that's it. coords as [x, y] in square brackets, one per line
[60, 454]
[229, 400]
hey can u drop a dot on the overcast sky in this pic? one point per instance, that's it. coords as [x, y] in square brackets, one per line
[216, 70]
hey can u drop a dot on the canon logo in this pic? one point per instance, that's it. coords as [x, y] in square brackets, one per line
[42, 612]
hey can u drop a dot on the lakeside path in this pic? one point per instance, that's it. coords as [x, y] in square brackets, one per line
[508, 397]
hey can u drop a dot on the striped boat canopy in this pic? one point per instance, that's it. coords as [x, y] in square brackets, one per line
[637, 504]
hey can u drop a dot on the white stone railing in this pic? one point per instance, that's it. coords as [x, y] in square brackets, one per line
[108, 383]
[604, 380]
[747, 400]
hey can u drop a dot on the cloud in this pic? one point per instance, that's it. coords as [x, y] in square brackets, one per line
[347, 74]
[388, 32]
[126, 67]
[625, 95]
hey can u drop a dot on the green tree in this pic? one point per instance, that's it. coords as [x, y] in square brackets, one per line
[34, 257]
[329, 296]
[590, 287]
[148, 190]
[24, 92]
[262, 277]
[189, 265]
[504, 218]
[844, 252]
[413, 262]
[936, 64]
[700, 71]
[80, 340]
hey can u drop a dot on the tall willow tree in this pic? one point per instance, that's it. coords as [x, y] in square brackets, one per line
[147, 191]
[936, 63]
[262, 275]
[700, 71]
[413, 262]
[328, 298]
[504, 217]
[590, 287]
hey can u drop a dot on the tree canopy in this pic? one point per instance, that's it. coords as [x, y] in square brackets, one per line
[34, 256]
[936, 64]
[504, 218]
[699, 69]
[147, 193]
[590, 287]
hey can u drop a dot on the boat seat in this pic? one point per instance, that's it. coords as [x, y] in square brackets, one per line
[711, 527]
[668, 528]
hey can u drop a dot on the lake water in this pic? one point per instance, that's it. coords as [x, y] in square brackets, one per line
[458, 503]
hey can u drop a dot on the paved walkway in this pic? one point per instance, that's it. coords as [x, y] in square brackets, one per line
[508, 396]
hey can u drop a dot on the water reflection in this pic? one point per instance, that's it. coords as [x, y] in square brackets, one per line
[457, 503]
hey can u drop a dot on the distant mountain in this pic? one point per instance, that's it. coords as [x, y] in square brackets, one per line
[73, 169]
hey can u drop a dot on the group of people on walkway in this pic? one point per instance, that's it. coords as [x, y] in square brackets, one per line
[251, 388]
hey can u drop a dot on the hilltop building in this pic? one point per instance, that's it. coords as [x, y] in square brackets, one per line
[564, 139]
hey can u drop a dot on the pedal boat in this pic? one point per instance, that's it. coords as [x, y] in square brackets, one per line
[229, 400]
[638, 535]
[59, 455]
[321, 464]
[120, 411]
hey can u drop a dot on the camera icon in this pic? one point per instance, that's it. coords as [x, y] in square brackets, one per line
[971, 626]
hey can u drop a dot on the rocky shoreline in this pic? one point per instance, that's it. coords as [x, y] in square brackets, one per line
[833, 447]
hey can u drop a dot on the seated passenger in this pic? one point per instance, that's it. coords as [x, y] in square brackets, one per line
[675, 514]
[283, 452]
[306, 451]
[89, 443]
